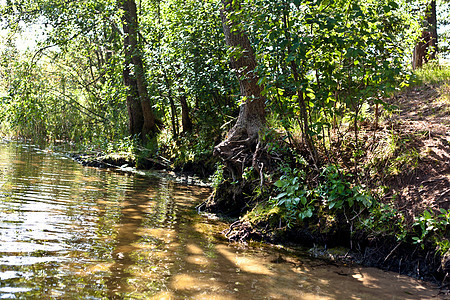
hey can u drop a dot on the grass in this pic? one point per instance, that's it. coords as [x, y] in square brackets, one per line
[432, 73]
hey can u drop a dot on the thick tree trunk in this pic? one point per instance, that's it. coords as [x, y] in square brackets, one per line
[141, 116]
[243, 137]
[242, 147]
[426, 48]
[135, 115]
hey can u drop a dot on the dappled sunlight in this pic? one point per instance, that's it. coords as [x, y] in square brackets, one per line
[126, 237]
[298, 295]
[92, 188]
[212, 296]
[367, 280]
[198, 260]
[167, 235]
[163, 296]
[246, 264]
[379, 279]
[100, 267]
[182, 282]
[194, 249]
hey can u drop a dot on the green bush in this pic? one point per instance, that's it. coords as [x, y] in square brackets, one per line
[298, 199]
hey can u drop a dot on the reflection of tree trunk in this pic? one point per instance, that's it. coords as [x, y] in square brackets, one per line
[426, 48]
[128, 226]
[142, 119]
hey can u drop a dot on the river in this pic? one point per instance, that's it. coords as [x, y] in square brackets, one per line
[71, 232]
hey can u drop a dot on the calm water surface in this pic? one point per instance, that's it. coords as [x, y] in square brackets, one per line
[69, 232]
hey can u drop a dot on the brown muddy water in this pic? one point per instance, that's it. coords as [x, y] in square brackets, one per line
[70, 232]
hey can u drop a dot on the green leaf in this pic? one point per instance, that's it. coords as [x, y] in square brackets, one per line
[304, 200]
[281, 195]
[279, 184]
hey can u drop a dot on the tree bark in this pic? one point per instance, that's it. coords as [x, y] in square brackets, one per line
[242, 147]
[426, 49]
[135, 115]
[173, 110]
[141, 116]
[243, 137]
[185, 119]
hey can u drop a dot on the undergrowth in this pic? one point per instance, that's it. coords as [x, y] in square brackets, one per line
[431, 73]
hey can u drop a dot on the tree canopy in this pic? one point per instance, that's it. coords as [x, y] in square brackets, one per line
[280, 99]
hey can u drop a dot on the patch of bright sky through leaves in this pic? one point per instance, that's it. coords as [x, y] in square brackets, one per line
[32, 34]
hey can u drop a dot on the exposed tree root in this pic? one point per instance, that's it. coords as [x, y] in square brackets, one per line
[239, 231]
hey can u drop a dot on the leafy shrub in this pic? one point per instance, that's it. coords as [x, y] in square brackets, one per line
[434, 227]
[299, 200]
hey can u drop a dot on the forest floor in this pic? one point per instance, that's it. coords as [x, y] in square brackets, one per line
[422, 122]
[416, 171]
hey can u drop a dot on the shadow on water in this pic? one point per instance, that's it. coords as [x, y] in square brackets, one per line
[68, 232]
[146, 205]
[212, 269]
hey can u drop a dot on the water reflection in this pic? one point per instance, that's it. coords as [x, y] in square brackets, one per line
[68, 232]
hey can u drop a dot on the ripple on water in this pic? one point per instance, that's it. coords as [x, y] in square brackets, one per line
[22, 261]
[68, 232]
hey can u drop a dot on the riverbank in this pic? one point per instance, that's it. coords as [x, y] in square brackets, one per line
[403, 224]
[127, 164]
[394, 217]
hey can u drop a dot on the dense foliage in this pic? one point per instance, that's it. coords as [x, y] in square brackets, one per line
[325, 68]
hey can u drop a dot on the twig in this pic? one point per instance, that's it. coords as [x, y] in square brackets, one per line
[443, 194]
[395, 248]
[75, 103]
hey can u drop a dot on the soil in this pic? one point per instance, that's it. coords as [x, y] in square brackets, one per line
[424, 114]
[410, 150]
[416, 173]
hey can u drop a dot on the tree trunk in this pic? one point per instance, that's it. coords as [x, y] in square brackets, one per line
[242, 147]
[141, 116]
[304, 123]
[185, 119]
[426, 48]
[244, 135]
[135, 115]
[173, 110]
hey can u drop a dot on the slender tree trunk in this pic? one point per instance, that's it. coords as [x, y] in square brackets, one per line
[173, 109]
[426, 49]
[141, 116]
[298, 77]
[185, 119]
[173, 114]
